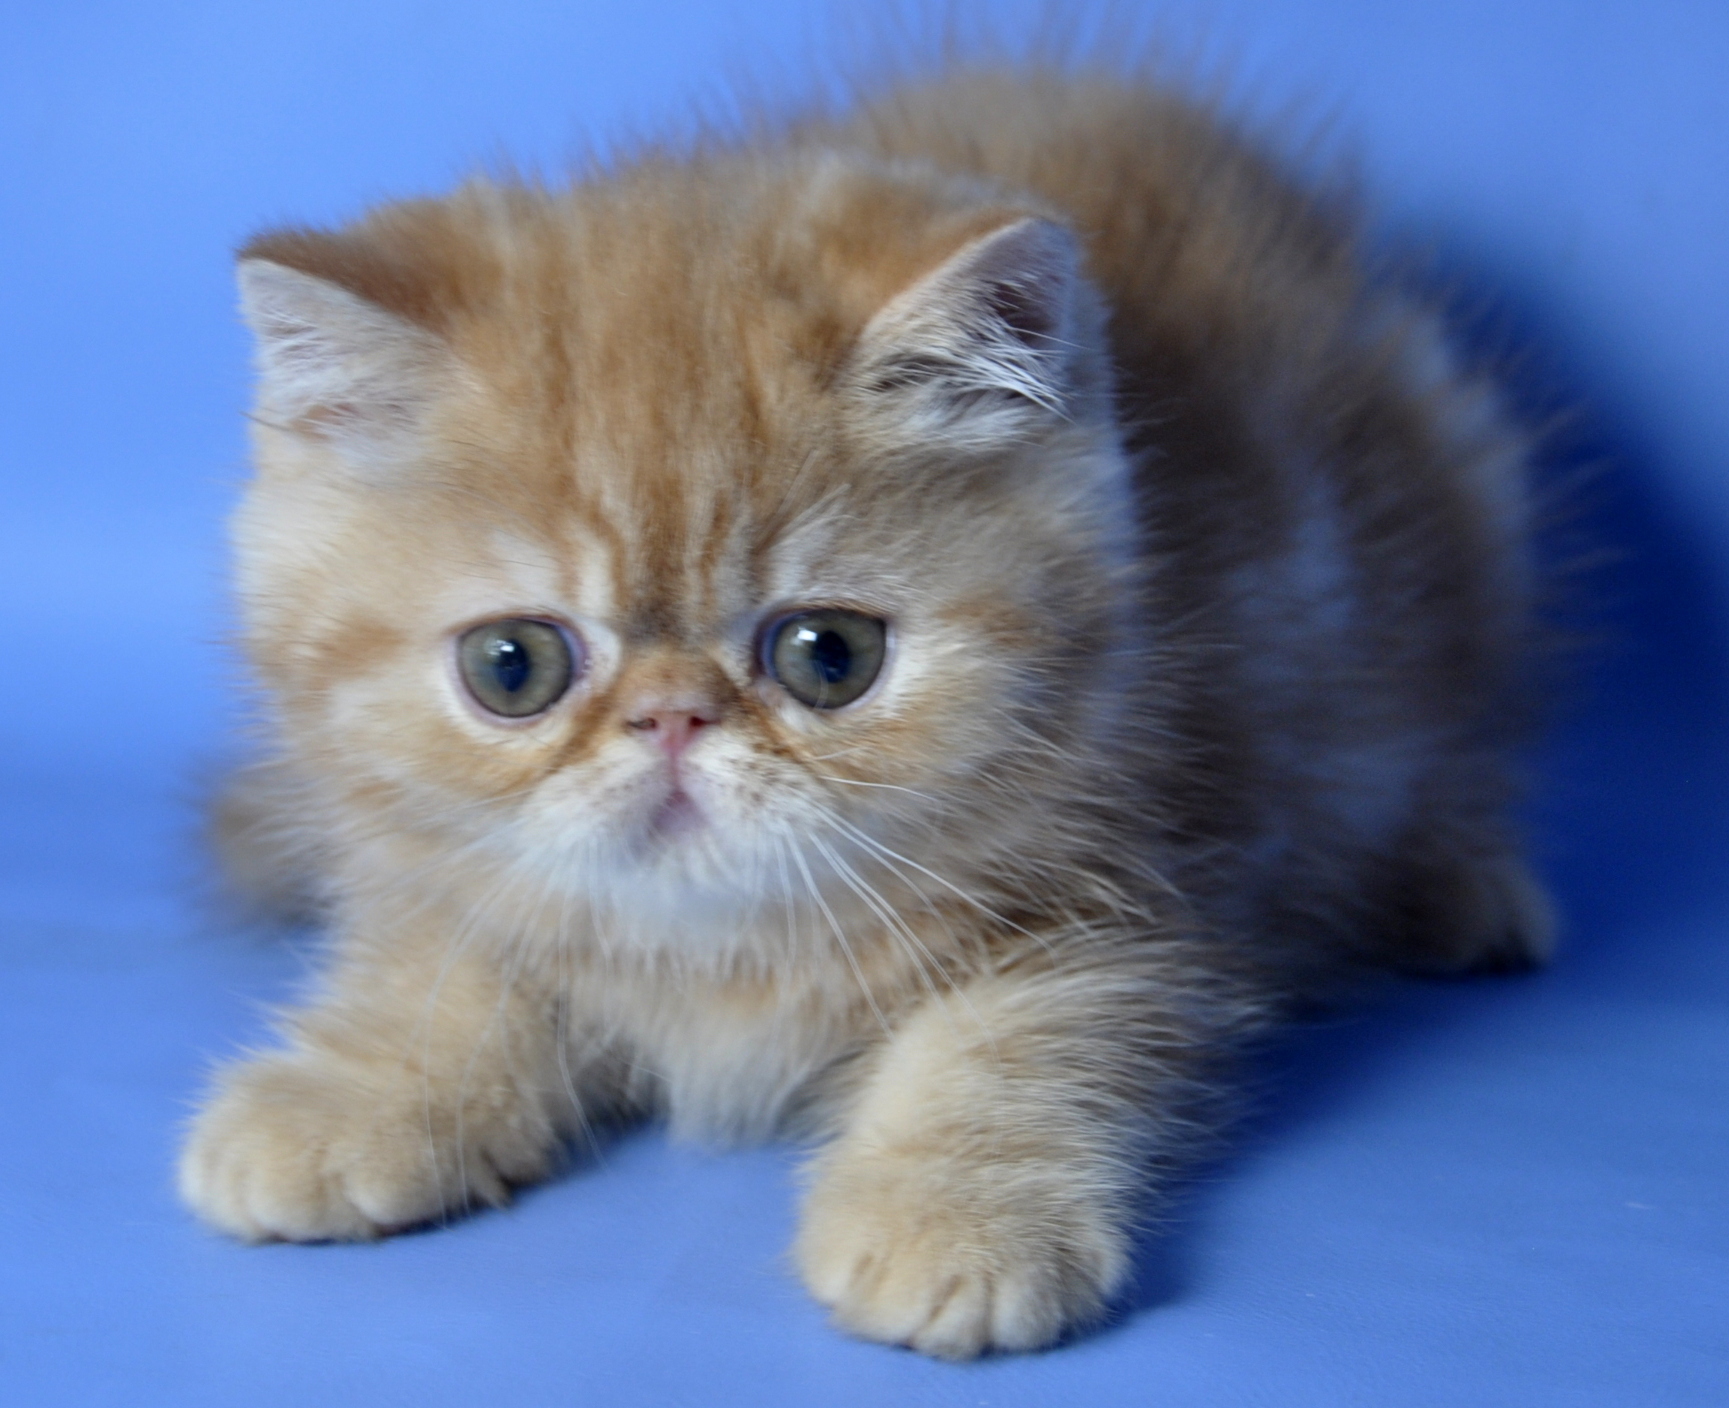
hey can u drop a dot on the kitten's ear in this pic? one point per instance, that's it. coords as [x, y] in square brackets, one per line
[336, 366]
[981, 353]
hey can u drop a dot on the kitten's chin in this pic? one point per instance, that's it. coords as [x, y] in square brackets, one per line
[703, 886]
[677, 867]
[673, 903]
[683, 865]
[678, 815]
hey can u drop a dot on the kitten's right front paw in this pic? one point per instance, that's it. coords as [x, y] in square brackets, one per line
[299, 1149]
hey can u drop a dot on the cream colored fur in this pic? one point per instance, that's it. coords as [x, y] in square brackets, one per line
[1206, 605]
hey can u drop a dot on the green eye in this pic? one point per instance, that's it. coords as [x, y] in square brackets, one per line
[825, 659]
[516, 668]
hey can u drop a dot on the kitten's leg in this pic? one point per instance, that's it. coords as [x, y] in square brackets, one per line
[1471, 913]
[982, 1192]
[421, 1084]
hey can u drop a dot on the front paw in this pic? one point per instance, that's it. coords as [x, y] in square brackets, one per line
[301, 1148]
[955, 1261]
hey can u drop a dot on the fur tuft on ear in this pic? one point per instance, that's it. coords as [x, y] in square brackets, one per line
[980, 353]
[334, 365]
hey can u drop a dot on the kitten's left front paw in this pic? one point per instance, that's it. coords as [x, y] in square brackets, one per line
[956, 1261]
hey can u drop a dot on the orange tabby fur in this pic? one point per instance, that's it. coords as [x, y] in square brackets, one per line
[1208, 604]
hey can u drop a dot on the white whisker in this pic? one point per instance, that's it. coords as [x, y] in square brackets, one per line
[885, 786]
[841, 939]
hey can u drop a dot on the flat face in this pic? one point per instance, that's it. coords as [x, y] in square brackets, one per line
[658, 594]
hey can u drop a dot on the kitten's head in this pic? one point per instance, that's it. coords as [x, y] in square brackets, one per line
[706, 543]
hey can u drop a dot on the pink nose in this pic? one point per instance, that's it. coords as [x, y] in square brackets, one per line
[673, 728]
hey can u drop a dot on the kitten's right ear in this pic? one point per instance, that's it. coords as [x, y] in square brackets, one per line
[335, 366]
[984, 352]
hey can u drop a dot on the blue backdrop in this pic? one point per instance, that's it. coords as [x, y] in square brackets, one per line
[1484, 1193]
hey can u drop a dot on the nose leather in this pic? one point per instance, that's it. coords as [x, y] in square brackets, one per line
[673, 728]
[670, 697]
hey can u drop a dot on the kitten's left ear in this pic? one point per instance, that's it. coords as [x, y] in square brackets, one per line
[981, 353]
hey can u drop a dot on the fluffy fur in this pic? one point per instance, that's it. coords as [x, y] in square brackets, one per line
[1208, 603]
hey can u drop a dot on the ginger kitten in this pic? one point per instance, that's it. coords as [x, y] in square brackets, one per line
[924, 631]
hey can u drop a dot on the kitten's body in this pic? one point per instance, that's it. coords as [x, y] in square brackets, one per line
[1207, 604]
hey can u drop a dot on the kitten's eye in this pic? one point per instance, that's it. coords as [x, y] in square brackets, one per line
[516, 668]
[825, 658]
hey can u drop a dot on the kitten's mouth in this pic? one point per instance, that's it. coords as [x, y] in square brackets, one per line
[676, 816]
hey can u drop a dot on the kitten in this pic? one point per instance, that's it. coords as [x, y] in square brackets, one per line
[924, 631]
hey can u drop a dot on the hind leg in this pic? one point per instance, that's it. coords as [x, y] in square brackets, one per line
[1471, 912]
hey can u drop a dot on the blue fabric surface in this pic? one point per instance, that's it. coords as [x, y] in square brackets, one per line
[1498, 1192]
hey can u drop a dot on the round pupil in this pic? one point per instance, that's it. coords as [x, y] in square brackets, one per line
[511, 664]
[826, 658]
[517, 668]
[829, 653]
